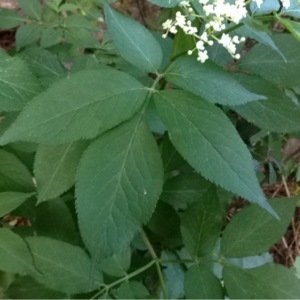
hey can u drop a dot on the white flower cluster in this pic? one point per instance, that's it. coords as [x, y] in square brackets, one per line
[217, 14]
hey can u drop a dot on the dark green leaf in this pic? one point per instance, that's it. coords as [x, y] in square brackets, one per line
[28, 288]
[64, 267]
[119, 181]
[14, 254]
[270, 281]
[79, 22]
[44, 64]
[259, 232]
[184, 189]
[17, 84]
[81, 37]
[132, 290]
[10, 19]
[278, 113]
[135, 43]
[201, 224]
[28, 34]
[54, 220]
[32, 8]
[51, 36]
[165, 3]
[55, 168]
[60, 114]
[209, 81]
[268, 64]
[165, 221]
[201, 283]
[118, 264]
[198, 127]
[14, 176]
[11, 200]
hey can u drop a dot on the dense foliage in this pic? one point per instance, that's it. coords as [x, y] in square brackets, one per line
[121, 151]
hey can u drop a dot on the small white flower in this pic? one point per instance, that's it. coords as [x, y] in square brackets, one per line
[202, 56]
[168, 24]
[286, 3]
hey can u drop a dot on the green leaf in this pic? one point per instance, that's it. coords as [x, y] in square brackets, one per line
[164, 221]
[81, 37]
[132, 290]
[79, 22]
[60, 114]
[270, 281]
[10, 19]
[14, 176]
[268, 64]
[297, 266]
[15, 257]
[278, 113]
[267, 7]
[32, 8]
[17, 84]
[209, 81]
[174, 274]
[55, 168]
[54, 220]
[259, 232]
[28, 288]
[11, 200]
[51, 36]
[119, 181]
[184, 189]
[28, 34]
[201, 283]
[44, 64]
[201, 224]
[134, 42]
[196, 126]
[64, 267]
[118, 264]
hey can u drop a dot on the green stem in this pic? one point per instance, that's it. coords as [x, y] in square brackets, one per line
[156, 260]
[125, 278]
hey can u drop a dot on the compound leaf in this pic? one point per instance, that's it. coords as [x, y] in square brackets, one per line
[17, 84]
[79, 106]
[207, 139]
[261, 230]
[209, 81]
[134, 42]
[278, 113]
[201, 283]
[270, 281]
[55, 168]
[201, 224]
[63, 267]
[119, 181]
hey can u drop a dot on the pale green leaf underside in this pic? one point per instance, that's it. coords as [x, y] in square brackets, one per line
[261, 230]
[11, 200]
[207, 139]
[134, 42]
[270, 281]
[15, 257]
[63, 267]
[209, 81]
[278, 113]
[17, 84]
[77, 107]
[55, 168]
[119, 181]
[265, 62]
